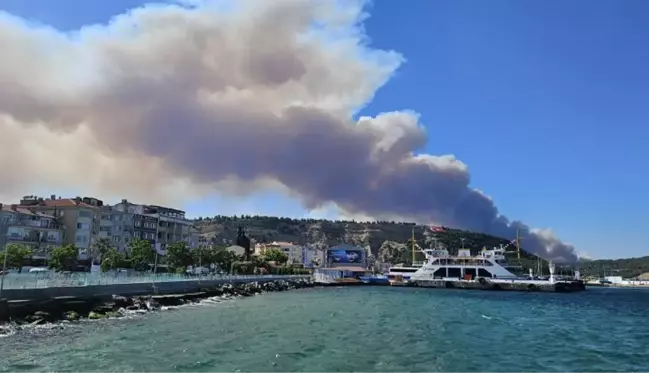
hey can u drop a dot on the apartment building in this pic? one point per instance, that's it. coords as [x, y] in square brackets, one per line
[142, 224]
[160, 225]
[293, 251]
[116, 226]
[22, 225]
[173, 227]
[80, 217]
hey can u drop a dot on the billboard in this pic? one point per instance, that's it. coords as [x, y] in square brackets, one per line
[346, 255]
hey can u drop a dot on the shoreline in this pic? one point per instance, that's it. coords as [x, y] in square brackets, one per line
[71, 309]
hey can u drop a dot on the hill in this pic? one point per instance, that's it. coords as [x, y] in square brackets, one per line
[324, 233]
[627, 268]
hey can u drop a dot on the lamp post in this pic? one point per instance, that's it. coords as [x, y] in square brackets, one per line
[4, 271]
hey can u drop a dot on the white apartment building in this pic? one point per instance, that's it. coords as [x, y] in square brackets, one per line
[293, 251]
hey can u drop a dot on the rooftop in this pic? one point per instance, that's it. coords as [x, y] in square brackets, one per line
[22, 210]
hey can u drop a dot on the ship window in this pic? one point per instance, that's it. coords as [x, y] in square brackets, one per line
[454, 272]
[403, 270]
[483, 272]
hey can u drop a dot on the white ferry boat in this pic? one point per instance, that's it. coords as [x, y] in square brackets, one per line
[486, 270]
[400, 274]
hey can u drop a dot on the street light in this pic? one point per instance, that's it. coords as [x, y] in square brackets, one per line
[4, 270]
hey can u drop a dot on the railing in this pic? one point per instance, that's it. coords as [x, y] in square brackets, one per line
[45, 280]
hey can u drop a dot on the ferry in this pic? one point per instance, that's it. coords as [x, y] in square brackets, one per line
[488, 270]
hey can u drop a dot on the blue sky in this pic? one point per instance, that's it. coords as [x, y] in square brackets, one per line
[546, 101]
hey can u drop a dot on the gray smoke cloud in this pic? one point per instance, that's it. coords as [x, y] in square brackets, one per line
[172, 100]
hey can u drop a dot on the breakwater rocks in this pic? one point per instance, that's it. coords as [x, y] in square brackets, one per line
[28, 312]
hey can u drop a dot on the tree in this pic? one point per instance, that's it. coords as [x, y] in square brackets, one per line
[203, 256]
[16, 255]
[141, 255]
[275, 255]
[225, 258]
[99, 249]
[112, 259]
[63, 258]
[179, 256]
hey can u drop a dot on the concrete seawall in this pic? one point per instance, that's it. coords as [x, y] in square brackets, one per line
[133, 289]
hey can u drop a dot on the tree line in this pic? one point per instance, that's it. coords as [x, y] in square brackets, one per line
[141, 257]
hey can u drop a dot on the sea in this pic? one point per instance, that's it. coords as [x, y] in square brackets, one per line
[363, 329]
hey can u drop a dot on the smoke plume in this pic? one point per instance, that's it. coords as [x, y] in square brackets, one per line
[176, 100]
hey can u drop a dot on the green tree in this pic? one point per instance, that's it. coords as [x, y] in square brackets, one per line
[225, 258]
[203, 256]
[63, 258]
[99, 249]
[112, 259]
[275, 255]
[17, 254]
[141, 254]
[179, 257]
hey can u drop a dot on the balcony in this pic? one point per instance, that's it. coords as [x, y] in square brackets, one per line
[35, 238]
[43, 224]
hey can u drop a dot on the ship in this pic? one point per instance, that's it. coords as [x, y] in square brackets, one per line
[487, 271]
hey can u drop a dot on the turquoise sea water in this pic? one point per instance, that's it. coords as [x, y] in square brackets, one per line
[357, 329]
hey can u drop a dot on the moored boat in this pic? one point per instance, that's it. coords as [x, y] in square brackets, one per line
[485, 271]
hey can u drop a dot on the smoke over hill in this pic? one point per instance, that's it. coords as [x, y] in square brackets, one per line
[169, 100]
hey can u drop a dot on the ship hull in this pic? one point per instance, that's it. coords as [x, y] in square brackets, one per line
[515, 285]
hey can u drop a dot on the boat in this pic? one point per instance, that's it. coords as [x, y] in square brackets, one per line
[375, 279]
[488, 270]
[399, 275]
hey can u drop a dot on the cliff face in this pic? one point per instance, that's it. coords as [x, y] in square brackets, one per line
[325, 233]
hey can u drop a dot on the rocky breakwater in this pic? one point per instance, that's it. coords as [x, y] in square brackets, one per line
[73, 309]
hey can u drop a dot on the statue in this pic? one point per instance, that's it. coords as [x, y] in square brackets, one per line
[243, 241]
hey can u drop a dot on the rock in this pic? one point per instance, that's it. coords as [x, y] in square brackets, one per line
[113, 314]
[103, 308]
[152, 304]
[121, 301]
[71, 316]
[43, 315]
[96, 315]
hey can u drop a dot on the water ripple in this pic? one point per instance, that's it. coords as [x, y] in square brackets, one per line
[355, 329]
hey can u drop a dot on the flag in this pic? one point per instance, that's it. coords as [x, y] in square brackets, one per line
[437, 229]
[158, 249]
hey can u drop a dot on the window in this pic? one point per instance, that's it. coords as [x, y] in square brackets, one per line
[85, 214]
[136, 234]
[138, 223]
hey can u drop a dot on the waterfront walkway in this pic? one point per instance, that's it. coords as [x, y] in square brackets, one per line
[47, 280]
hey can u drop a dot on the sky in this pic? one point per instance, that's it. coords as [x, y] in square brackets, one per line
[544, 101]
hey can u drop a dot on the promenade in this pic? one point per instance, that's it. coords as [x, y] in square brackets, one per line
[51, 285]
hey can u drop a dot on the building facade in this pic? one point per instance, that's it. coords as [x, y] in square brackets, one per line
[20, 225]
[159, 225]
[80, 217]
[294, 252]
[312, 257]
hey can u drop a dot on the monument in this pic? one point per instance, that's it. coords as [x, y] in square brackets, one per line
[244, 241]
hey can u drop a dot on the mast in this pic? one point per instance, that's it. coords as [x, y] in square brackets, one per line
[518, 245]
[413, 245]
